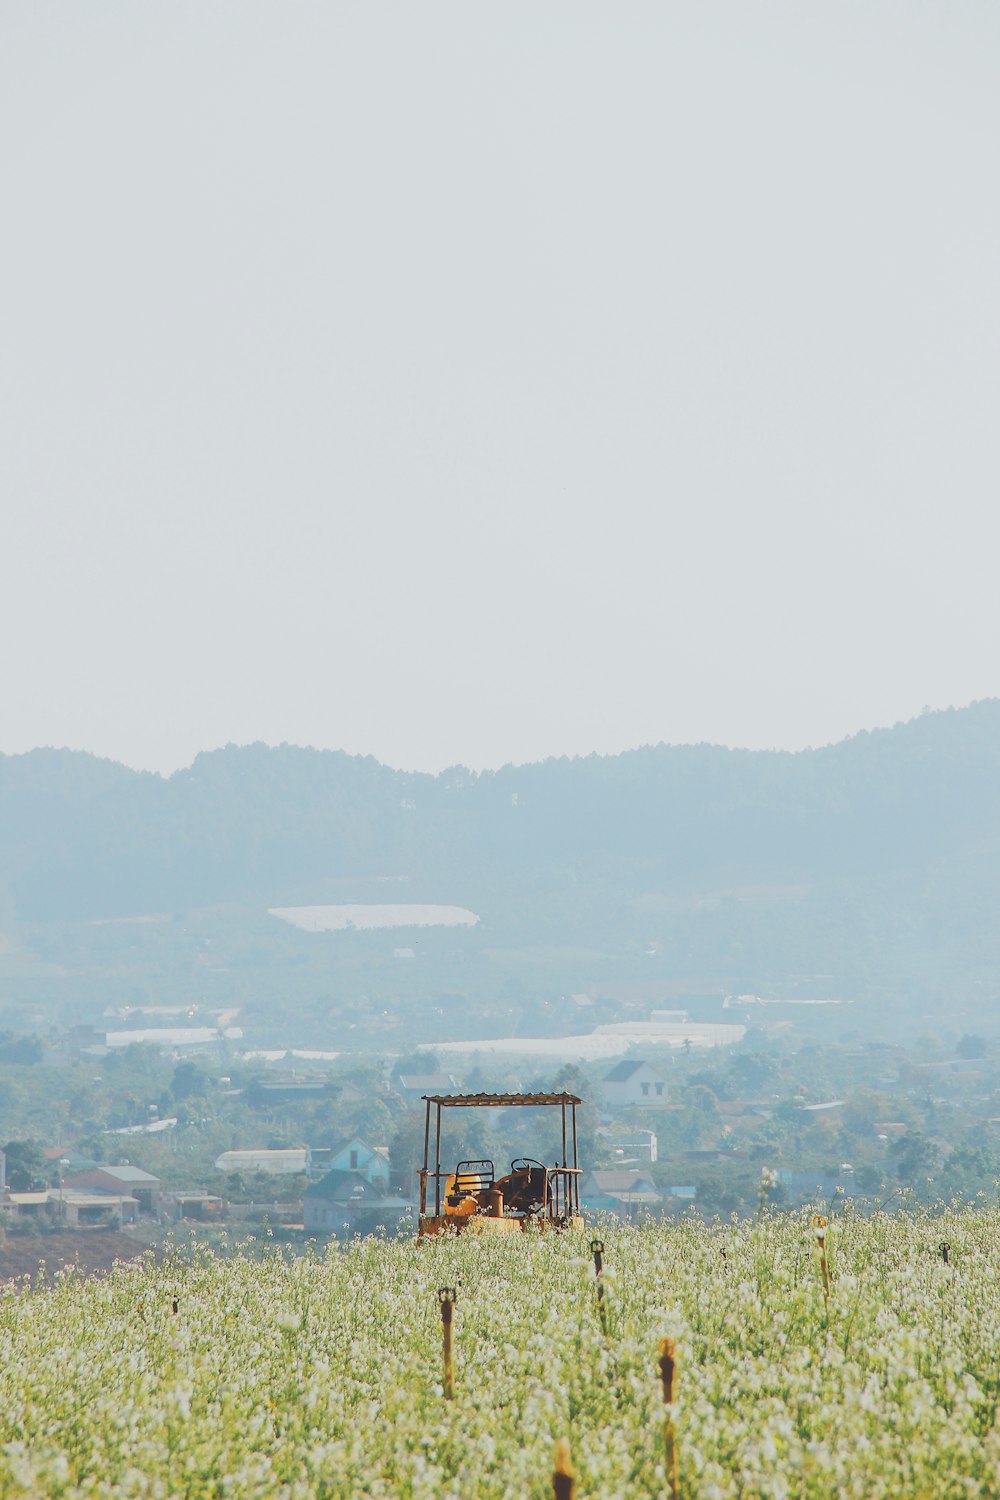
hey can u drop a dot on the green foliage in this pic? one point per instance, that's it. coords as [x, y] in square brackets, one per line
[22, 1051]
[968, 1172]
[188, 1078]
[27, 1168]
[914, 1158]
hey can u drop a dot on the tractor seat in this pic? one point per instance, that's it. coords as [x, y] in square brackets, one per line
[525, 1190]
[473, 1178]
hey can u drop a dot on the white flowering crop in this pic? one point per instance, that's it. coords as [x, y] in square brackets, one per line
[323, 1377]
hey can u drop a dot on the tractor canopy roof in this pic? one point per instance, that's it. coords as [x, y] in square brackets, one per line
[495, 1101]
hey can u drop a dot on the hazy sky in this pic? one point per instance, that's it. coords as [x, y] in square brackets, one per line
[475, 383]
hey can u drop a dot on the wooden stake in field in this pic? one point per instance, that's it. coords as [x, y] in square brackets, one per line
[820, 1225]
[446, 1298]
[597, 1251]
[668, 1369]
[563, 1478]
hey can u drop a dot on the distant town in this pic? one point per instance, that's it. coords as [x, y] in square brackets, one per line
[156, 1121]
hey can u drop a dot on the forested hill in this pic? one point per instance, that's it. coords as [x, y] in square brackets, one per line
[83, 837]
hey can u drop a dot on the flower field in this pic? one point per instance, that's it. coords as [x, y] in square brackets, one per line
[323, 1376]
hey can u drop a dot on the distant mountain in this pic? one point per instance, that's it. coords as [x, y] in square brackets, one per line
[904, 823]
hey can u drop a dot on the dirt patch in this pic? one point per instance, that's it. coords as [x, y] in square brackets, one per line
[92, 1250]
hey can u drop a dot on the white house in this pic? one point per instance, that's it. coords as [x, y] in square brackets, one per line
[372, 1162]
[634, 1085]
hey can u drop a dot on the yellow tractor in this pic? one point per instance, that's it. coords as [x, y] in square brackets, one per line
[473, 1198]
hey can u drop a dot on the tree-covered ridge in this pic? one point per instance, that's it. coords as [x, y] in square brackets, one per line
[84, 837]
[873, 861]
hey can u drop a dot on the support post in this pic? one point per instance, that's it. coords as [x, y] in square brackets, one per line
[563, 1478]
[437, 1167]
[446, 1297]
[576, 1164]
[597, 1251]
[423, 1175]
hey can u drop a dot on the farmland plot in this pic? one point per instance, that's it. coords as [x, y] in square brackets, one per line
[323, 1376]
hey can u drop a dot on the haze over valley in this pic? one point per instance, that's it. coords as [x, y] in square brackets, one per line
[329, 897]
